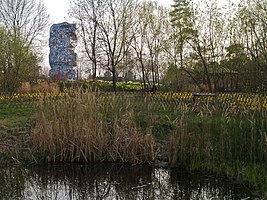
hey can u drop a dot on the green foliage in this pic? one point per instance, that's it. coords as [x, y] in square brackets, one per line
[182, 16]
[171, 74]
[176, 79]
[17, 62]
[181, 19]
[236, 56]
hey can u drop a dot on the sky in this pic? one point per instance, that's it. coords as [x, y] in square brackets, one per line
[58, 9]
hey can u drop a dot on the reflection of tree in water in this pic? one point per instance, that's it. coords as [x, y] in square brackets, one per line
[111, 181]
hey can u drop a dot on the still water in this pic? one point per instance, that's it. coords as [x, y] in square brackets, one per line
[112, 181]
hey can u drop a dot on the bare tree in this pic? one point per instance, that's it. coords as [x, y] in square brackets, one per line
[149, 34]
[115, 36]
[24, 18]
[253, 16]
[89, 13]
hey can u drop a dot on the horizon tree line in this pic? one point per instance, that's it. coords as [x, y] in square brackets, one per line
[197, 45]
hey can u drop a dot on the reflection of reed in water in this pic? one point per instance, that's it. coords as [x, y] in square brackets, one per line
[98, 181]
[112, 181]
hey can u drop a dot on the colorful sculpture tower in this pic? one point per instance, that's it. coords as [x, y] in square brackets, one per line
[62, 58]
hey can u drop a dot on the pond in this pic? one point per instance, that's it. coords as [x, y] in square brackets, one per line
[113, 181]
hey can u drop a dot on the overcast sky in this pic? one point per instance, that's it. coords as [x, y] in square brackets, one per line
[58, 9]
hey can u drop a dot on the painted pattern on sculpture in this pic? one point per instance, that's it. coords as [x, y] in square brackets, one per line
[62, 58]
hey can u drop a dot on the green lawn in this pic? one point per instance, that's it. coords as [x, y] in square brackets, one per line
[18, 117]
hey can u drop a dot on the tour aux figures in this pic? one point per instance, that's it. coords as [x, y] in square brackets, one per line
[62, 58]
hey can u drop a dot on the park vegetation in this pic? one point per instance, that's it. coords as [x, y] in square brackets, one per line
[194, 45]
[163, 57]
[223, 134]
[21, 26]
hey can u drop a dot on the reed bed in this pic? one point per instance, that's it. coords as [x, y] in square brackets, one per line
[226, 141]
[84, 127]
[225, 133]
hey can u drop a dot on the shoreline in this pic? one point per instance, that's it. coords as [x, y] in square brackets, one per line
[23, 158]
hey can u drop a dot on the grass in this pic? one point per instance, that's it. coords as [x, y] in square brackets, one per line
[15, 127]
[15, 117]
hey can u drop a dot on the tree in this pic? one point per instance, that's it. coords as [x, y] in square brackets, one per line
[138, 44]
[209, 42]
[89, 13]
[115, 35]
[200, 38]
[182, 19]
[252, 16]
[149, 35]
[171, 77]
[22, 22]
[26, 19]
[17, 62]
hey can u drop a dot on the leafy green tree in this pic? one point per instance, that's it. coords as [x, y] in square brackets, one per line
[17, 62]
[181, 20]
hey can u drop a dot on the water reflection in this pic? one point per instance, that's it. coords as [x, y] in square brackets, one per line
[111, 181]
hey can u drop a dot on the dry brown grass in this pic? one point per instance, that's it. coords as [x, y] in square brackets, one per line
[45, 86]
[25, 87]
[84, 128]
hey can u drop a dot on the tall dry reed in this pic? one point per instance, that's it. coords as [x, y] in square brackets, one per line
[84, 127]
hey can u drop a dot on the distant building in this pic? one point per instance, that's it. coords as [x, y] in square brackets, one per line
[62, 58]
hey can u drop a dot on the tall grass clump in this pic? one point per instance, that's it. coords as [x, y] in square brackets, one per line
[226, 141]
[83, 126]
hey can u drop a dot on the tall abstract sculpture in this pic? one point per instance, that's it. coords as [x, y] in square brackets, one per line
[62, 58]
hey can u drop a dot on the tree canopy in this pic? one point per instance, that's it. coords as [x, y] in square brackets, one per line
[22, 22]
[17, 62]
